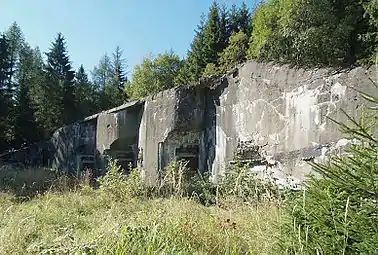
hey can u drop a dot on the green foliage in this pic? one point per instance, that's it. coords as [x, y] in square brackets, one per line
[212, 37]
[16, 42]
[240, 183]
[118, 186]
[239, 20]
[236, 51]
[87, 97]
[310, 33]
[60, 79]
[154, 75]
[370, 38]
[5, 88]
[264, 25]
[211, 69]
[109, 78]
[337, 212]
[25, 126]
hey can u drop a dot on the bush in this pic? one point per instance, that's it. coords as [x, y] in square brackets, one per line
[240, 183]
[119, 186]
[337, 213]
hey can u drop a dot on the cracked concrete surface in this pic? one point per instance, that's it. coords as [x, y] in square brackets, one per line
[286, 109]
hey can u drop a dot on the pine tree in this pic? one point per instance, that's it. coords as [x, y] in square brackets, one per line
[195, 63]
[60, 75]
[118, 67]
[211, 33]
[25, 125]
[239, 20]
[5, 100]
[85, 93]
[16, 41]
[107, 77]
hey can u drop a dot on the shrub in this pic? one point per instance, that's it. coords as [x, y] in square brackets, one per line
[240, 183]
[203, 189]
[337, 213]
[119, 186]
[175, 180]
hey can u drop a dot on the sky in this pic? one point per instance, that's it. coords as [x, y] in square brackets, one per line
[94, 27]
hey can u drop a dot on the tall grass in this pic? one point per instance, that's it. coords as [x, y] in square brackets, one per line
[90, 222]
[123, 216]
[27, 182]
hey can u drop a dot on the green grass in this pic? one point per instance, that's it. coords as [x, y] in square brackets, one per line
[88, 221]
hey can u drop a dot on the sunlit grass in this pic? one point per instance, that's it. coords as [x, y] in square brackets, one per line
[91, 223]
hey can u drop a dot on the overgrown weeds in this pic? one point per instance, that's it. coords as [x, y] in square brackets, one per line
[118, 186]
[240, 183]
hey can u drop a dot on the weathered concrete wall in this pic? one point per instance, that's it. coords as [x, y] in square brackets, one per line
[68, 143]
[283, 112]
[119, 123]
[171, 119]
[271, 115]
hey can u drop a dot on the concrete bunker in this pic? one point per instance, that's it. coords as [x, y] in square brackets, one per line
[124, 150]
[272, 116]
[118, 133]
[181, 146]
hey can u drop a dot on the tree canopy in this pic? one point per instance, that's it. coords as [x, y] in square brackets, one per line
[39, 95]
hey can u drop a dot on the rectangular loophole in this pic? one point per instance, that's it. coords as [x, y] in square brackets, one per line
[190, 154]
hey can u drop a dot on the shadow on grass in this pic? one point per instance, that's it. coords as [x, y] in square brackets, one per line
[27, 182]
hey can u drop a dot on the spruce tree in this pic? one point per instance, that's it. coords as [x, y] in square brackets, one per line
[109, 78]
[85, 93]
[116, 90]
[211, 34]
[61, 77]
[118, 67]
[16, 40]
[5, 73]
[25, 125]
[239, 20]
[195, 63]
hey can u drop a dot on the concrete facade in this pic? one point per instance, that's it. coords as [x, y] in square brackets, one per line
[270, 115]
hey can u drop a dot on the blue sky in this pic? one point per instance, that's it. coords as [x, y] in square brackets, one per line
[94, 27]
